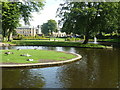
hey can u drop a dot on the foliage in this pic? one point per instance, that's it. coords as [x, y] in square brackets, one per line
[21, 37]
[18, 37]
[49, 27]
[52, 25]
[108, 36]
[10, 17]
[88, 18]
[72, 39]
[44, 28]
[15, 33]
[110, 40]
[12, 12]
[35, 38]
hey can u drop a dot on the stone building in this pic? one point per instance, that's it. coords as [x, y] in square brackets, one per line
[32, 31]
[28, 31]
[59, 34]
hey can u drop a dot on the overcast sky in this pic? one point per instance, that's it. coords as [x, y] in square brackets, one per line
[48, 12]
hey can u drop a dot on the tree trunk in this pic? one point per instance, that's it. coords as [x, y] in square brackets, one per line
[10, 35]
[8, 38]
[3, 38]
[86, 39]
[4, 34]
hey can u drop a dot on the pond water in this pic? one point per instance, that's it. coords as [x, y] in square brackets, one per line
[97, 69]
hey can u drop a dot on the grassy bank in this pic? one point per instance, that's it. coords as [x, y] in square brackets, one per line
[54, 43]
[37, 56]
[110, 40]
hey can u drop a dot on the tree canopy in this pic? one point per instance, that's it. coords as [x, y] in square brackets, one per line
[52, 25]
[44, 28]
[88, 18]
[49, 27]
[12, 12]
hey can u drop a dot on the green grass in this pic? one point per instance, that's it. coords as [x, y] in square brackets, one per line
[59, 39]
[110, 40]
[37, 55]
[48, 39]
[54, 43]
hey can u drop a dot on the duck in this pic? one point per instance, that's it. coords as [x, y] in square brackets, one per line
[18, 49]
[7, 53]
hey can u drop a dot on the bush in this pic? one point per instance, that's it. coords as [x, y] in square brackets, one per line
[35, 38]
[72, 39]
[18, 37]
[77, 39]
[21, 37]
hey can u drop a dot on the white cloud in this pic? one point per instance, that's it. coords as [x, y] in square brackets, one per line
[49, 12]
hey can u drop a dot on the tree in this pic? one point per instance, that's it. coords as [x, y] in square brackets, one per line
[12, 12]
[118, 30]
[10, 19]
[0, 18]
[44, 28]
[49, 27]
[52, 25]
[88, 18]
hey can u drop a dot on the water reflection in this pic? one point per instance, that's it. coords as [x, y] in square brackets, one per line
[97, 69]
[93, 71]
[22, 78]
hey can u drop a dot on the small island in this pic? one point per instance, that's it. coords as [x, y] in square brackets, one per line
[32, 57]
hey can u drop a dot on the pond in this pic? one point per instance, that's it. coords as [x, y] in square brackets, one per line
[97, 69]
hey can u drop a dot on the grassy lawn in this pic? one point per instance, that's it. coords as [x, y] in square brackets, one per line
[36, 55]
[58, 39]
[110, 40]
[48, 39]
[54, 43]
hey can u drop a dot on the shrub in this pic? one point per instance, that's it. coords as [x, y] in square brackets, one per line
[72, 39]
[18, 37]
[35, 38]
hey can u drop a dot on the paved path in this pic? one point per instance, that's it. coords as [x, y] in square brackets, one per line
[3, 44]
[6, 44]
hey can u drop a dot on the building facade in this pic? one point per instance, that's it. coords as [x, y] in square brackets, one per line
[59, 34]
[28, 31]
[32, 31]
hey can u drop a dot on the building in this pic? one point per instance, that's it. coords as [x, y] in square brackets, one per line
[32, 31]
[28, 30]
[59, 34]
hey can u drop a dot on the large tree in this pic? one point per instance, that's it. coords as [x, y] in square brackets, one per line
[12, 12]
[10, 18]
[49, 27]
[88, 18]
[44, 28]
[52, 25]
